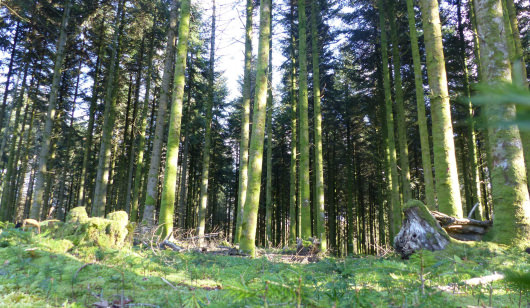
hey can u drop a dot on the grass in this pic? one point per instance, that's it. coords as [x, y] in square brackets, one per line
[39, 271]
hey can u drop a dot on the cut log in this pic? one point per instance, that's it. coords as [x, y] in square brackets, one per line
[463, 229]
[420, 230]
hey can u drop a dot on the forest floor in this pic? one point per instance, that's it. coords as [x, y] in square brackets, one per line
[39, 271]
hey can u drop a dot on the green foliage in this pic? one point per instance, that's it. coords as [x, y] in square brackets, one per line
[40, 271]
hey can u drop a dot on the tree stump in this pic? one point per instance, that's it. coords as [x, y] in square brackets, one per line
[420, 230]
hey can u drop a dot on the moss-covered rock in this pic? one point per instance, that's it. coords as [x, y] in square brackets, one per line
[110, 232]
[77, 215]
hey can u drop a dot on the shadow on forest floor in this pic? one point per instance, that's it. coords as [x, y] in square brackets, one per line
[39, 271]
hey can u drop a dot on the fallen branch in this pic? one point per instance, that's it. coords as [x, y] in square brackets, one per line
[167, 244]
[168, 283]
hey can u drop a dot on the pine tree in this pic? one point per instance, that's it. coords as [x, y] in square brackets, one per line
[446, 175]
[250, 214]
[151, 194]
[509, 188]
[207, 136]
[38, 192]
[245, 123]
[167, 205]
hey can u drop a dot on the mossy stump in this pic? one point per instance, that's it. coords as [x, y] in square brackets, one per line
[420, 230]
[110, 232]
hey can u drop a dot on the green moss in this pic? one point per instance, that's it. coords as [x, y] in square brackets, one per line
[77, 214]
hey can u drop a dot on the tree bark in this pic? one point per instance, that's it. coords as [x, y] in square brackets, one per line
[50, 117]
[158, 136]
[250, 214]
[245, 123]
[446, 174]
[167, 205]
[317, 121]
[509, 187]
[207, 136]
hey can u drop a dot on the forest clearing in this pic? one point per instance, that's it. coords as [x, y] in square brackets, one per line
[259, 153]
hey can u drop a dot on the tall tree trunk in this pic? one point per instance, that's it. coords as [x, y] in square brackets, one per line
[103, 173]
[268, 124]
[250, 213]
[392, 178]
[91, 119]
[292, 167]
[304, 126]
[167, 205]
[446, 174]
[518, 67]
[50, 117]
[317, 121]
[158, 136]
[470, 131]
[245, 123]
[420, 102]
[509, 190]
[207, 136]
[183, 193]
[401, 124]
[142, 126]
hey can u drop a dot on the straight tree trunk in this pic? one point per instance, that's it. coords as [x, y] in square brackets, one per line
[91, 119]
[158, 136]
[446, 174]
[245, 123]
[470, 131]
[392, 178]
[292, 167]
[304, 126]
[103, 173]
[317, 121]
[400, 109]
[50, 117]
[183, 193]
[142, 126]
[167, 205]
[420, 102]
[518, 67]
[511, 225]
[207, 136]
[268, 124]
[250, 214]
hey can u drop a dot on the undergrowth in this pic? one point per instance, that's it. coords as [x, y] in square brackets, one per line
[39, 271]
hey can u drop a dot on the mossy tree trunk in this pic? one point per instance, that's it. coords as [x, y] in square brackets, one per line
[294, 115]
[392, 178]
[317, 121]
[401, 125]
[91, 120]
[420, 102]
[245, 123]
[268, 124]
[518, 66]
[104, 173]
[446, 174]
[142, 126]
[250, 213]
[470, 131]
[38, 192]
[167, 205]
[509, 187]
[207, 136]
[303, 174]
[151, 194]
